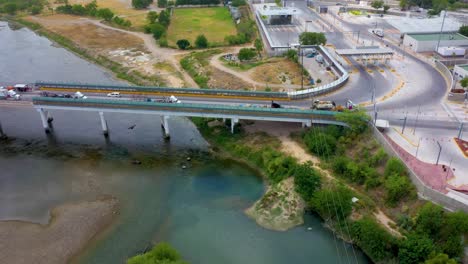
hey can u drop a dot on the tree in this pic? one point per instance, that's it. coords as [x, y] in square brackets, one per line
[105, 13]
[10, 8]
[414, 249]
[333, 202]
[377, 4]
[140, 4]
[162, 253]
[164, 18]
[394, 166]
[320, 143]
[237, 3]
[404, 4]
[463, 30]
[91, 8]
[396, 188]
[386, 8]
[440, 259]
[162, 3]
[78, 10]
[36, 10]
[157, 30]
[464, 82]
[152, 16]
[183, 44]
[246, 54]
[312, 38]
[429, 220]
[373, 239]
[201, 42]
[306, 180]
[357, 120]
[258, 46]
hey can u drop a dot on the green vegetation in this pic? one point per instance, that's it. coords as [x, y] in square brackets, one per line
[188, 23]
[306, 180]
[435, 6]
[197, 65]
[11, 7]
[157, 25]
[197, 2]
[91, 9]
[258, 46]
[246, 54]
[141, 4]
[237, 3]
[162, 253]
[377, 4]
[183, 44]
[464, 82]
[246, 29]
[312, 38]
[201, 42]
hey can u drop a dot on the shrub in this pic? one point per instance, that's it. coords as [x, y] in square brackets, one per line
[183, 44]
[430, 219]
[163, 42]
[319, 143]
[201, 42]
[312, 38]
[246, 54]
[394, 166]
[238, 3]
[236, 39]
[36, 10]
[165, 18]
[397, 187]
[161, 253]
[292, 55]
[373, 239]
[152, 16]
[414, 249]
[378, 158]
[162, 3]
[157, 30]
[140, 4]
[105, 13]
[306, 180]
[332, 202]
[339, 164]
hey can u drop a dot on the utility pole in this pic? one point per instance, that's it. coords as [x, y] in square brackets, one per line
[302, 66]
[404, 123]
[438, 155]
[359, 32]
[417, 116]
[441, 29]
[417, 149]
[459, 131]
[375, 114]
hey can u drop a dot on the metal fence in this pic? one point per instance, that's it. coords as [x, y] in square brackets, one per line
[424, 191]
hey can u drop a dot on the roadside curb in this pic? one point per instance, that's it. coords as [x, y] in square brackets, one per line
[406, 138]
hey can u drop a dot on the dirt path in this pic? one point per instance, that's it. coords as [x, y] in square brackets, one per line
[294, 149]
[164, 54]
[245, 76]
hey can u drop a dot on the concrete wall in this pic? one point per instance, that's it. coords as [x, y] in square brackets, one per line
[424, 191]
[424, 46]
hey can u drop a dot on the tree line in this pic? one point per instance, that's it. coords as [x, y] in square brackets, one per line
[12, 6]
[197, 2]
[91, 9]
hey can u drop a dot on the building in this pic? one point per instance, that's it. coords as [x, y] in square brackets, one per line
[460, 71]
[428, 41]
[406, 25]
[271, 14]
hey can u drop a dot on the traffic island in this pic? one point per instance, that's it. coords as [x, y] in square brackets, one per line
[463, 145]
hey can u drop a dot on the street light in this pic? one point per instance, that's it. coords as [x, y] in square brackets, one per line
[438, 155]
[441, 29]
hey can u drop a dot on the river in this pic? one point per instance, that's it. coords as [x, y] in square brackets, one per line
[199, 210]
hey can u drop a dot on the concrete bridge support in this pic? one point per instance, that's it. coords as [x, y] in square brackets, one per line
[1, 131]
[165, 126]
[105, 130]
[45, 123]
[49, 117]
[234, 121]
[307, 124]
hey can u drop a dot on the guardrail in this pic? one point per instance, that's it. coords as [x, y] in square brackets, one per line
[184, 107]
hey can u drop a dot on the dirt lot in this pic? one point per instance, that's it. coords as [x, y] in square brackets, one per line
[223, 80]
[279, 71]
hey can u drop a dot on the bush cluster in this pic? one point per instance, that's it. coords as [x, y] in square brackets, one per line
[140, 4]
[12, 6]
[197, 2]
[157, 25]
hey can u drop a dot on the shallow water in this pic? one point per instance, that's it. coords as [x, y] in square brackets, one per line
[198, 210]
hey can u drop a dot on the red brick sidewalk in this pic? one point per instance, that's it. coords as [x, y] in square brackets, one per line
[432, 175]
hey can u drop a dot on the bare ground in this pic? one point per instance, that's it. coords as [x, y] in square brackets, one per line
[71, 227]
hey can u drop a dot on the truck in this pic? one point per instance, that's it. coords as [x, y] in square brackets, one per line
[5, 94]
[324, 105]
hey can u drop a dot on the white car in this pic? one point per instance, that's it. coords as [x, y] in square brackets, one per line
[113, 94]
[79, 95]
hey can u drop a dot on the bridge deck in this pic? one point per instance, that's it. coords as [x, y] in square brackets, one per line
[204, 110]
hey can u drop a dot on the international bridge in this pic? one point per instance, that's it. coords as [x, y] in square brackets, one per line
[167, 110]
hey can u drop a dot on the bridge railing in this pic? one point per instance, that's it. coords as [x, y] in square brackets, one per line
[178, 106]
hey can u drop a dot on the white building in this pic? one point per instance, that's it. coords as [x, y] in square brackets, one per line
[428, 41]
[460, 71]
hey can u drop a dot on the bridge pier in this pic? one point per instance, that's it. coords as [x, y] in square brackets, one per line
[234, 121]
[307, 124]
[49, 117]
[45, 123]
[165, 127]
[2, 134]
[105, 130]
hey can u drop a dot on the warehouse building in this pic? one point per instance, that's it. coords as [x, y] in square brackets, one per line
[427, 42]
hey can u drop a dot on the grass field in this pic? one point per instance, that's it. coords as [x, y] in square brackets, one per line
[187, 23]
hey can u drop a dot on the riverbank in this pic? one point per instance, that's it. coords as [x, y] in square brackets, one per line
[69, 230]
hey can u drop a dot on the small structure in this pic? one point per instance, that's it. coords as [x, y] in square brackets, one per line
[322, 9]
[275, 15]
[428, 42]
[460, 71]
[408, 25]
[451, 51]
[369, 53]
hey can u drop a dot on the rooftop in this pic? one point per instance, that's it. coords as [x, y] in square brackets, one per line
[274, 10]
[463, 66]
[424, 25]
[435, 36]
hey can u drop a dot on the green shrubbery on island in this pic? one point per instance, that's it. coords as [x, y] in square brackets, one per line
[162, 253]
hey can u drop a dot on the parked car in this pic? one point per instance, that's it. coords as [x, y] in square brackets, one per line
[113, 94]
